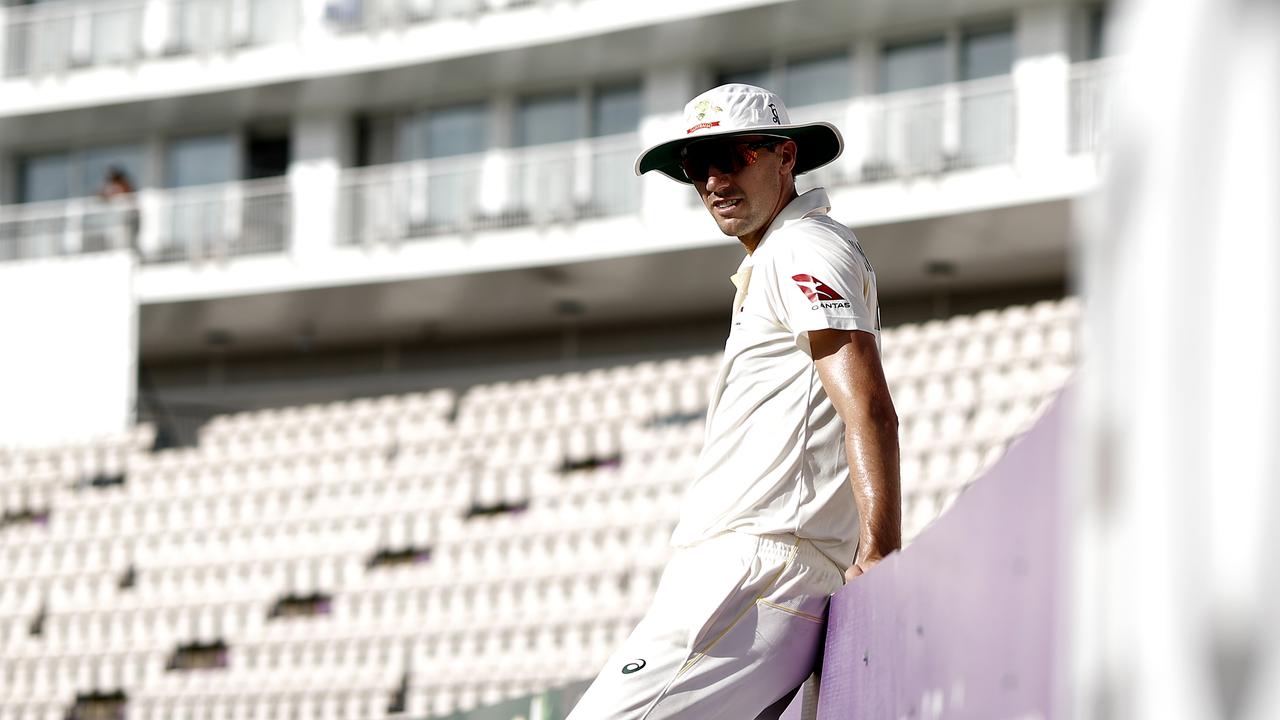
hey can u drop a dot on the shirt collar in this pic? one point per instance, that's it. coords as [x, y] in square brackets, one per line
[813, 202]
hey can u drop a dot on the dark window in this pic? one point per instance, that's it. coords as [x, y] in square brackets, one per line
[919, 63]
[200, 160]
[1097, 31]
[616, 110]
[985, 53]
[268, 156]
[821, 79]
[548, 119]
[444, 132]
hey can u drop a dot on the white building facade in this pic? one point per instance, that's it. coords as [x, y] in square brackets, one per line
[410, 151]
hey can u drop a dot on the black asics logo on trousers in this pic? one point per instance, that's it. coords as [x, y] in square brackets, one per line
[633, 667]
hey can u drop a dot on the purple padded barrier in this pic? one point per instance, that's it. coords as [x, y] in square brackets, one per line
[962, 623]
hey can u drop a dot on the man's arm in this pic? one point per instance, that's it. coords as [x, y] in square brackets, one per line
[848, 363]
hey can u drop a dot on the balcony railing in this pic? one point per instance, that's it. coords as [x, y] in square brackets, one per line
[914, 134]
[215, 222]
[1088, 102]
[56, 37]
[502, 189]
[63, 35]
[379, 15]
[212, 26]
[919, 132]
[66, 227]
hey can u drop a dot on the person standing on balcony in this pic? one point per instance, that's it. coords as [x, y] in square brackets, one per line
[796, 490]
[118, 193]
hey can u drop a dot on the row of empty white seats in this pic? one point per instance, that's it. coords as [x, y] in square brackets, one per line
[646, 374]
[985, 323]
[437, 403]
[105, 454]
[536, 513]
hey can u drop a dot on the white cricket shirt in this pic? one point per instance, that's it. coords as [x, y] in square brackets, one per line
[773, 458]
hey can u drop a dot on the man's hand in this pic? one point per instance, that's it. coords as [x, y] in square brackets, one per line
[848, 363]
[861, 566]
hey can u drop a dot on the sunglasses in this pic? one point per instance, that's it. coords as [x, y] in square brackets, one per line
[697, 159]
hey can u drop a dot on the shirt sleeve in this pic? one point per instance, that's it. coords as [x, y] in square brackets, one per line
[824, 283]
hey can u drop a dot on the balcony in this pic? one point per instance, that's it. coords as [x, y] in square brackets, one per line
[53, 38]
[180, 225]
[1089, 107]
[1026, 129]
[216, 222]
[534, 186]
[922, 132]
[56, 37]
[68, 227]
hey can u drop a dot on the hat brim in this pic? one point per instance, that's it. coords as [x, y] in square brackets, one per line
[818, 144]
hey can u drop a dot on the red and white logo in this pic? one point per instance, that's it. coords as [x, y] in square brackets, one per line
[815, 289]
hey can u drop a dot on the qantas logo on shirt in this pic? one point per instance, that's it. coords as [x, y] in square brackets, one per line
[819, 293]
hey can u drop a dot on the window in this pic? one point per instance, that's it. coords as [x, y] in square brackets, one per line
[95, 163]
[458, 130]
[548, 119]
[758, 76]
[986, 53]
[817, 80]
[921, 63]
[45, 177]
[616, 110]
[61, 175]
[200, 160]
[444, 132]
[1097, 29]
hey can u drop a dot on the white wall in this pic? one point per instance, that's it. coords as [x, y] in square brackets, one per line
[69, 347]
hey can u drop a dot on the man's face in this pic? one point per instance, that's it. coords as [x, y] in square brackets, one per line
[743, 200]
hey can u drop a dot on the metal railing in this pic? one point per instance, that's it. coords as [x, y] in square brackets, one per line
[213, 222]
[899, 135]
[939, 129]
[67, 227]
[501, 189]
[211, 26]
[56, 37]
[919, 132]
[1088, 106]
[380, 15]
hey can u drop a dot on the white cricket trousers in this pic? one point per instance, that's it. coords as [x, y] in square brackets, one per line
[735, 627]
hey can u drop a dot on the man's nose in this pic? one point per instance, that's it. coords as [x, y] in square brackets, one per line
[716, 178]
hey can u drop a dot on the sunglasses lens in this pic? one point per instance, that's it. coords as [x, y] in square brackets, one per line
[725, 157]
[699, 161]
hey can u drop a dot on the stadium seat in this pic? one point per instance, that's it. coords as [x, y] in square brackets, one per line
[299, 499]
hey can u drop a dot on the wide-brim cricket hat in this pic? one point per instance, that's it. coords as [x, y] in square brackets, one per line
[738, 109]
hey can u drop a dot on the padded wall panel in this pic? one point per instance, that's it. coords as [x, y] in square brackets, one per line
[67, 348]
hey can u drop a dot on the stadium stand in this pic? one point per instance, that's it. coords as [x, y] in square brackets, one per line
[426, 553]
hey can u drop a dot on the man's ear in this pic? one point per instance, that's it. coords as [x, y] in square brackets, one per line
[788, 149]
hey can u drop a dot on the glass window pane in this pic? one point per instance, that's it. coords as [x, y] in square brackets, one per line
[616, 110]
[411, 143]
[758, 76]
[96, 162]
[457, 130]
[45, 177]
[1097, 31]
[548, 119]
[200, 160]
[817, 80]
[911, 65]
[987, 53]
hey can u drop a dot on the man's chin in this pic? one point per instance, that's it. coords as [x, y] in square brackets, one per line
[734, 227]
